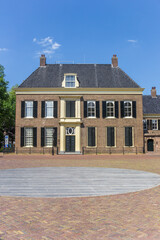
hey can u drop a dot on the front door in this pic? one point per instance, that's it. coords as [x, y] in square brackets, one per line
[150, 146]
[70, 143]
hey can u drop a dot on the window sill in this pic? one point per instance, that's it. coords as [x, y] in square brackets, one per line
[28, 117]
[110, 118]
[27, 146]
[127, 117]
[91, 117]
[48, 117]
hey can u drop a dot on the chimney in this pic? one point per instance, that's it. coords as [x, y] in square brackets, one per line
[153, 92]
[42, 60]
[114, 61]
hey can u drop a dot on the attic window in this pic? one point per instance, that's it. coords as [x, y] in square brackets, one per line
[70, 81]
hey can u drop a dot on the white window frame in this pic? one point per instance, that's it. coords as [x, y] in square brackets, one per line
[70, 82]
[47, 108]
[91, 101]
[145, 124]
[127, 109]
[25, 133]
[30, 116]
[113, 102]
[154, 124]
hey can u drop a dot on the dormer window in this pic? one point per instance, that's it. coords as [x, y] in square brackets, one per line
[70, 81]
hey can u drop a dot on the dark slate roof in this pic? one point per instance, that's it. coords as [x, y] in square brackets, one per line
[89, 76]
[151, 105]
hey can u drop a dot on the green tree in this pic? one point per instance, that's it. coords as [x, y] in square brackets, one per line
[7, 108]
[3, 99]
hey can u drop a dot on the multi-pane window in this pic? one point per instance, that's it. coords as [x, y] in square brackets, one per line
[91, 108]
[110, 137]
[144, 124]
[91, 137]
[49, 109]
[70, 108]
[70, 80]
[154, 124]
[49, 137]
[28, 137]
[28, 108]
[128, 136]
[127, 109]
[110, 110]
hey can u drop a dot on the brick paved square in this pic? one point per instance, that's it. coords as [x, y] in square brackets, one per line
[125, 216]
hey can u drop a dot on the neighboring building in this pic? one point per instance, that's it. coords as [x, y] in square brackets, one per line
[151, 122]
[79, 108]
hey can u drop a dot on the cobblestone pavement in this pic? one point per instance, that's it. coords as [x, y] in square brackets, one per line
[125, 216]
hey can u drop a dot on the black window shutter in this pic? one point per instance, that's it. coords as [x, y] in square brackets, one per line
[55, 108]
[97, 109]
[34, 137]
[85, 109]
[22, 109]
[42, 137]
[112, 136]
[158, 124]
[55, 137]
[22, 137]
[43, 109]
[104, 109]
[35, 105]
[134, 109]
[116, 109]
[108, 136]
[149, 124]
[122, 109]
[93, 136]
[130, 136]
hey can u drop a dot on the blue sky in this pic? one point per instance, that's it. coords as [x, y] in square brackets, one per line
[81, 31]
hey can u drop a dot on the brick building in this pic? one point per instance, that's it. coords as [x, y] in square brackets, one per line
[151, 122]
[79, 108]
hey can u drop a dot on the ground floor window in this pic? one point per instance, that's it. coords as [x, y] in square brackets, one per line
[128, 136]
[48, 137]
[91, 137]
[110, 136]
[28, 137]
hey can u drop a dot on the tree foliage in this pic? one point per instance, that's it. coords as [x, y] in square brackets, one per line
[7, 108]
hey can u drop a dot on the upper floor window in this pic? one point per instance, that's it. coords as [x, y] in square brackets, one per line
[91, 108]
[28, 108]
[49, 109]
[110, 110]
[70, 108]
[70, 81]
[127, 109]
[154, 124]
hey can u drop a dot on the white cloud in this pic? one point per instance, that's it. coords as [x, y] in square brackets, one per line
[132, 41]
[3, 49]
[48, 46]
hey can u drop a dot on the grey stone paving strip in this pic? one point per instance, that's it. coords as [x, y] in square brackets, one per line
[73, 181]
